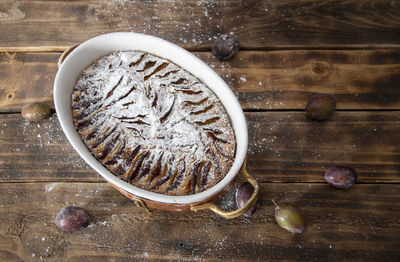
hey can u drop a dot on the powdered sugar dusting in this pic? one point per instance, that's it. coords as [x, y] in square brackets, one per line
[165, 111]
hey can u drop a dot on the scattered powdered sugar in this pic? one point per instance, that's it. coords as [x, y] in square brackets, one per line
[228, 201]
[40, 149]
[50, 186]
[159, 18]
[48, 138]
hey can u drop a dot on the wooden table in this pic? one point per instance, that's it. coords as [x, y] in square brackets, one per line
[290, 50]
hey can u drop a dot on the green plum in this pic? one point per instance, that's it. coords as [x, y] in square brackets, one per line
[290, 218]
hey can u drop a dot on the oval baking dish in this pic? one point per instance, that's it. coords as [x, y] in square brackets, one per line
[77, 58]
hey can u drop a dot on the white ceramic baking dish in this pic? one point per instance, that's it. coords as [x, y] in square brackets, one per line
[75, 59]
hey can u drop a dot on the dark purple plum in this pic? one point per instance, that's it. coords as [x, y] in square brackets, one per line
[72, 219]
[225, 47]
[289, 217]
[243, 194]
[341, 176]
[320, 107]
[35, 111]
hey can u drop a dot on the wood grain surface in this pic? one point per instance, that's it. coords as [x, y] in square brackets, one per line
[262, 80]
[342, 225]
[194, 23]
[290, 50]
[283, 147]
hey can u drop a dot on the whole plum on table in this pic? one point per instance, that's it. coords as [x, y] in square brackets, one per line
[243, 194]
[289, 217]
[35, 111]
[72, 219]
[320, 107]
[225, 47]
[341, 176]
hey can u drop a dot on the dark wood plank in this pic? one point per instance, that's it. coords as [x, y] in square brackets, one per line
[359, 224]
[287, 147]
[283, 147]
[359, 79]
[39, 152]
[25, 78]
[193, 23]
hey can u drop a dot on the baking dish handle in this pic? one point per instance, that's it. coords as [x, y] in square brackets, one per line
[236, 213]
[65, 54]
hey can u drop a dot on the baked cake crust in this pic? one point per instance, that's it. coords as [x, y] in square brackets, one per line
[153, 124]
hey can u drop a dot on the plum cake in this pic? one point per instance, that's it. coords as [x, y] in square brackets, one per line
[153, 124]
